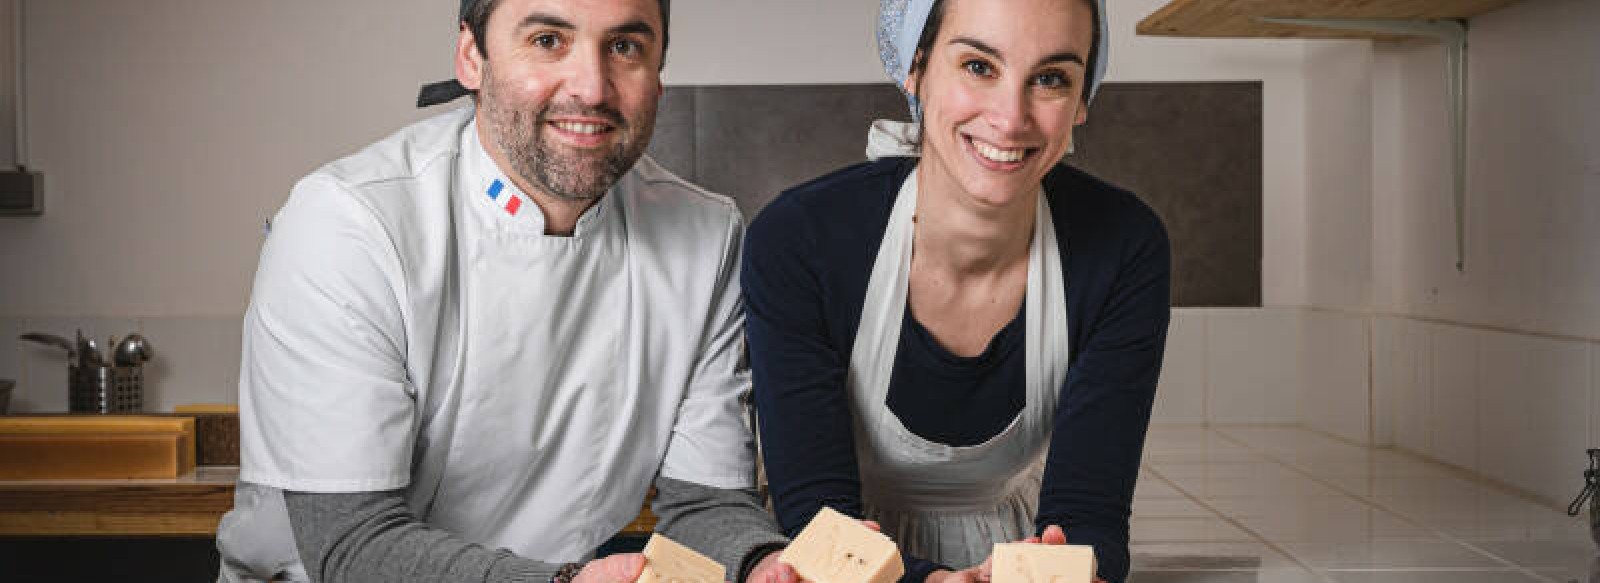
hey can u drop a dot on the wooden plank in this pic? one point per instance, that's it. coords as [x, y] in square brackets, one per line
[113, 509]
[96, 446]
[1239, 18]
[94, 456]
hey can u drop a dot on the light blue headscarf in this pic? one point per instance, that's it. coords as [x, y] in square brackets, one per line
[900, 25]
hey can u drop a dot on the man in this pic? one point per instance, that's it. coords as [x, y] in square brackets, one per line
[496, 328]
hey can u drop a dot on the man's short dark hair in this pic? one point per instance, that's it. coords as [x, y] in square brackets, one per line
[476, 19]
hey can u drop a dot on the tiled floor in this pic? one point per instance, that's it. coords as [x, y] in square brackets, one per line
[1267, 504]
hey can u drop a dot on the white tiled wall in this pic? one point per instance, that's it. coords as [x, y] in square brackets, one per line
[1252, 365]
[1181, 395]
[1334, 388]
[1519, 409]
[1454, 406]
[1230, 366]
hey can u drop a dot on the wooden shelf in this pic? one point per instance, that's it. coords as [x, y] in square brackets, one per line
[191, 505]
[1241, 18]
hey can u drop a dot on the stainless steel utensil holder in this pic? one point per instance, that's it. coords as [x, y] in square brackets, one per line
[105, 389]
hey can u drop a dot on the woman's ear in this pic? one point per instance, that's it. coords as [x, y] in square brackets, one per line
[469, 62]
[914, 73]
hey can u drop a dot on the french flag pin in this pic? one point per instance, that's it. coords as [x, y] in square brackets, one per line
[512, 204]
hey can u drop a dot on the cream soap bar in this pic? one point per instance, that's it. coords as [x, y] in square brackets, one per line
[835, 548]
[666, 561]
[1033, 563]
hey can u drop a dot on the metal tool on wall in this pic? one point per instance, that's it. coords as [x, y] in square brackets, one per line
[96, 383]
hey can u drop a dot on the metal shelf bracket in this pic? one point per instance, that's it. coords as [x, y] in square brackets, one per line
[1453, 33]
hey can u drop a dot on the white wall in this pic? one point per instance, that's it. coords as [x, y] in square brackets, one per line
[7, 84]
[169, 129]
[1496, 369]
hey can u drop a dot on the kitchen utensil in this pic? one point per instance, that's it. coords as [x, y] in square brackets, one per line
[92, 348]
[53, 340]
[133, 350]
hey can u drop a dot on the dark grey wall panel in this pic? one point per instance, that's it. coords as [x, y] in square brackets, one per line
[754, 141]
[1191, 150]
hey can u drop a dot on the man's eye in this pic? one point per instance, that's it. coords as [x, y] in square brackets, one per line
[626, 48]
[546, 41]
[979, 68]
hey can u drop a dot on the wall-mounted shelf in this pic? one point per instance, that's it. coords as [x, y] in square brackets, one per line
[1244, 18]
[1442, 20]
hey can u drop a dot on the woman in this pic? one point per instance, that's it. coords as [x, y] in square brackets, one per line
[963, 345]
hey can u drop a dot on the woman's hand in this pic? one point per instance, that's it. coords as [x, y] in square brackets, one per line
[1052, 535]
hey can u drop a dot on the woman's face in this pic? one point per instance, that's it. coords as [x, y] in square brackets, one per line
[1001, 90]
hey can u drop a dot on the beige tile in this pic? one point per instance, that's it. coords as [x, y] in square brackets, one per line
[1413, 418]
[1180, 396]
[1208, 557]
[1197, 576]
[1252, 365]
[1151, 507]
[1334, 391]
[1531, 436]
[1420, 576]
[1332, 519]
[1153, 488]
[1454, 408]
[1594, 394]
[1390, 364]
[1177, 530]
[1418, 554]
[1575, 557]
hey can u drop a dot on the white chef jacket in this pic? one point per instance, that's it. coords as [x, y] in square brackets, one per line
[412, 327]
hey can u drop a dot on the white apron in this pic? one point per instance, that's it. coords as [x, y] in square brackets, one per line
[939, 502]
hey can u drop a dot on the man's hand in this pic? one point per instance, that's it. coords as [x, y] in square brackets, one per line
[770, 570]
[619, 568]
[945, 576]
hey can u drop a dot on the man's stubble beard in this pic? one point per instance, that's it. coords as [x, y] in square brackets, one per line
[563, 173]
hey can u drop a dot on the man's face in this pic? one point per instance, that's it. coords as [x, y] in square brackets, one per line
[567, 94]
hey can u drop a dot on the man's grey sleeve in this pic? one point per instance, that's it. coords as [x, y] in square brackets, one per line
[373, 537]
[730, 526]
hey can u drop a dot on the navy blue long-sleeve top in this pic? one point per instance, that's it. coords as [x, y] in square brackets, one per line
[807, 259]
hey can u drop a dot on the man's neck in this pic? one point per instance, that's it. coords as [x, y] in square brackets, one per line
[560, 214]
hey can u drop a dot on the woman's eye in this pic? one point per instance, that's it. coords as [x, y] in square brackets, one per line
[1051, 80]
[979, 68]
[546, 41]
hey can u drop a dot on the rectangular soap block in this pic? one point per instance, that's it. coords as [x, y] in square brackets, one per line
[834, 548]
[666, 561]
[87, 456]
[1035, 563]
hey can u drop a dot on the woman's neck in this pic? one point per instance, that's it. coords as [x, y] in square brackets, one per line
[957, 234]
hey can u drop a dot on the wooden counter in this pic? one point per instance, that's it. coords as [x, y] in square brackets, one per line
[191, 505]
